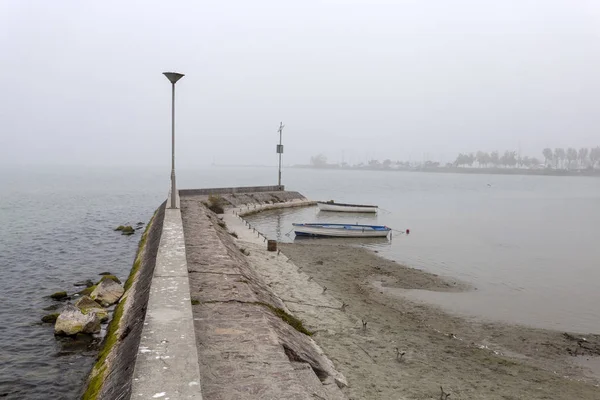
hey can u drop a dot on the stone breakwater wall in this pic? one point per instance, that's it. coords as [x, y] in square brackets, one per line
[251, 209]
[111, 376]
[263, 201]
[230, 190]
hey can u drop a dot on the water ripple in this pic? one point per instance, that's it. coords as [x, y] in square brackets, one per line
[51, 239]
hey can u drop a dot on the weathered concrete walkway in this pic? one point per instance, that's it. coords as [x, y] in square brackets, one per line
[245, 349]
[167, 361]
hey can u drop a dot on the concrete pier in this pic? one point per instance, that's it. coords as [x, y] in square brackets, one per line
[198, 321]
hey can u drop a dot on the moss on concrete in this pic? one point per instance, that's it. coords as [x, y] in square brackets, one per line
[289, 319]
[111, 334]
[99, 371]
[95, 383]
[138, 259]
[216, 204]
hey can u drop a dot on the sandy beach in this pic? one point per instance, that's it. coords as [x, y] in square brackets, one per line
[392, 348]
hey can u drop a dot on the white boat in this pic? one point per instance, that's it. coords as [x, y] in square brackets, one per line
[341, 207]
[341, 230]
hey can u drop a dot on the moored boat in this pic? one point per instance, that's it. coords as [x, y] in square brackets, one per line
[342, 207]
[341, 230]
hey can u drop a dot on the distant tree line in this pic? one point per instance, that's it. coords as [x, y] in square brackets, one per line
[509, 159]
[559, 158]
[572, 158]
[320, 161]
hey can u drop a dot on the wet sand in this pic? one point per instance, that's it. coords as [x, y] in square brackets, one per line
[470, 359]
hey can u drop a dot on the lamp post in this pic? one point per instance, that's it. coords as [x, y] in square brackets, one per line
[280, 152]
[173, 77]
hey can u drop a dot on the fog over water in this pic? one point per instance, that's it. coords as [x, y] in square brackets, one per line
[357, 80]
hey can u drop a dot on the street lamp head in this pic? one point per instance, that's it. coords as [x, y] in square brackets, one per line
[173, 76]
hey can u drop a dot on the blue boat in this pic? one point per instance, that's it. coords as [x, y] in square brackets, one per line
[341, 230]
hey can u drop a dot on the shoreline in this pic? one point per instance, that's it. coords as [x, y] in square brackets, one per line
[470, 359]
[473, 171]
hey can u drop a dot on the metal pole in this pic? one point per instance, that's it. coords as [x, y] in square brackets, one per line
[173, 77]
[279, 181]
[173, 185]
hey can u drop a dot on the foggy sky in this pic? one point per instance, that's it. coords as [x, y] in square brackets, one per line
[81, 81]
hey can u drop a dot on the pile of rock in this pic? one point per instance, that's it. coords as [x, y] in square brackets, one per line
[89, 311]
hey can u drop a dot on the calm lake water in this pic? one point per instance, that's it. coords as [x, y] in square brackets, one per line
[529, 244]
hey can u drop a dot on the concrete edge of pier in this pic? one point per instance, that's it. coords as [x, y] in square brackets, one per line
[111, 376]
[167, 361]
